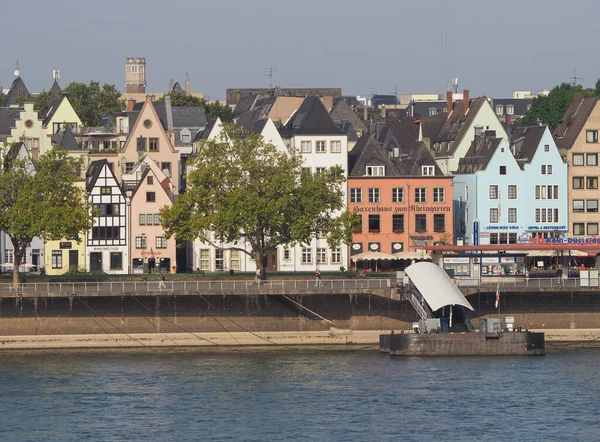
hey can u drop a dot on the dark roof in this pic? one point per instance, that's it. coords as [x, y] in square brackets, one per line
[456, 125]
[177, 88]
[367, 152]
[480, 153]
[524, 142]
[422, 108]
[342, 112]
[520, 105]
[93, 173]
[183, 116]
[234, 96]
[54, 104]
[206, 132]
[384, 100]
[14, 149]
[55, 89]
[431, 126]
[65, 139]
[8, 115]
[17, 89]
[572, 123]
[403, 134]
[313, 119]
[246, 103]
[410, 164]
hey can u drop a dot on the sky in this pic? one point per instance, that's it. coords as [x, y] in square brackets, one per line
[363, 47]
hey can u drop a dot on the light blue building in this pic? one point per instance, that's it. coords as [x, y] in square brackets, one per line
[509, 193]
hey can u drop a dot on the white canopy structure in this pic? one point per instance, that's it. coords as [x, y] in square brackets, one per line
[437, 288]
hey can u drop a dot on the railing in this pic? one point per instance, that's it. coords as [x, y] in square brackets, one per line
[526, 283]
[225, 286]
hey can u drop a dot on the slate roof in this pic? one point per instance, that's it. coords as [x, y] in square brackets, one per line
[206, 132]
[17, 89]
[574, 119]
[524, 142]
[246, 103]
[248, 119]
[520, 105]
[410, 164]
[65, 139]
[8, 115]
[421, 108]
[177, 88]
[312, 118]
[480, 153]
[387, 100]
[54, 104]
[403, 134]
[341, 112]
[55, 89]
[183, 116]
[93, 173]
[455, 127]
[431, 126]
[367, 152]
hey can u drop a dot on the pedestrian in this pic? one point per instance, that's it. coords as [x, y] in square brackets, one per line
[257, 278]
[318, 282]
[161, 284]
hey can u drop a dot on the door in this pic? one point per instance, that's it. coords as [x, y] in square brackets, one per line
[95, 262]
[35, 259]
[73, 259]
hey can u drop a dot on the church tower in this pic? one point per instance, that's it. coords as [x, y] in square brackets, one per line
[135, 75]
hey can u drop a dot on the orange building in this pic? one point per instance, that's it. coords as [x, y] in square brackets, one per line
[405, 204]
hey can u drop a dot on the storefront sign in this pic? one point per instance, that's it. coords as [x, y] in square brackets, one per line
[400, 209]
[456, 260]
[66, 245]
[592, 240]
[547, 228]
[489, 260]
[475, 232]
[98, 249]
[502, 227]
[507, 259]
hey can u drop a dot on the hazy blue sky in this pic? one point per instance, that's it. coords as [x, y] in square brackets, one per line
[361, 46]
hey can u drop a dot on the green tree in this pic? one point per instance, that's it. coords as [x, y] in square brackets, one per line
[41, 200]
[41, 102]
[242, 190]
[2, 100]
[92, 102]
[212, 110]
[550, 109]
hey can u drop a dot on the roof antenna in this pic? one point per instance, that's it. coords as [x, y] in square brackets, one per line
[17, 73]
[270, 72]
[574, 78]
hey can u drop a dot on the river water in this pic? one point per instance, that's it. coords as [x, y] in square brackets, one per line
[297, 395]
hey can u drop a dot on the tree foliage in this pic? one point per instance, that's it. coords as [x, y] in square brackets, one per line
[40, 200]
[242, 190]
[212, 110]
[2, 99]
[92, 102]
[549, 109]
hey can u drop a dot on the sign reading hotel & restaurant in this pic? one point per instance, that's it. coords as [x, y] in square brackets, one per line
[399, 209]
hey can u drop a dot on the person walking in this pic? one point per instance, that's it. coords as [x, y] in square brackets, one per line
[318, 282]
[161, 284]
[257, 278]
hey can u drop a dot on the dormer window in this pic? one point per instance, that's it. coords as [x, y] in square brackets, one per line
[510, 109]
[186, 136]
[499, 110]
[375, 171]
[427, 170]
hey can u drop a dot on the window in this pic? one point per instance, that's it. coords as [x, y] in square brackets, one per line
[57, 259]
[592, 228]
[420, 195]
[156, 219]
[546, 148]
[153, 145]
[147, 124]
[128, 167]
[140, 242]
[161, 242]
[592, 206]
[374, 224]
[336, 256]
[204, 259]
[502, 170]
[286, 255]
[142, 221]
[398, 223]
[374, 196]
[108, 209]
[577, 182]
[578, 206]
[306, 171]
[512, 192]
[398, 195]
[466, 192]
[439, 195]
[510, 109]
[375, 171]
[499, 109]
[433, 111]
[105, 190]
[108, 232]
[141, 144]
[356, 195]
[512, 215]
[591, 136]
[537, 215]
[9, 255]
[493, 192]
[150, 197]
[591, 159]
[116, 261]
[592, 182]
[556, 215]
[321, 255]
[421, 223]
[186, 136]
[306, 255]
[543, 169]
[319, 170]
[166, 168]
[494, 215]
[439, 223]
[320, 146]
[305, 147]
[427, 170]
[150, 180]
[234, 260]
[577, 159]
[335, 146]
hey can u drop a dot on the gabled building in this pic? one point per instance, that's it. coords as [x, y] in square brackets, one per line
[61, 114]
[107, 242]
[576, 137]
[23, 125]
[18, 91]
[456, 134]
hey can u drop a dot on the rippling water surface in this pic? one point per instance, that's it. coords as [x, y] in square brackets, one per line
[297, 395]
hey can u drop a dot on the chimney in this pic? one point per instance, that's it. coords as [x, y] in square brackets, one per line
[130, 103]
[448, 102]
[365, 113]
[187, 84]
[171, 84]
[508, 120]
[383, 112]
[466, 100]
[152, 97]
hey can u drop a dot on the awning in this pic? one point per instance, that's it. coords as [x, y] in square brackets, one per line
[372, 255]
[576, 253]
[417, 254]
[435, 285]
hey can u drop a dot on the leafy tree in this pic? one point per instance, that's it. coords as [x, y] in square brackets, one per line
[242, 190]
[41, 102]
[2, 100]
[92, 102]
[550, 109]
[212, 110]
[40, 200]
